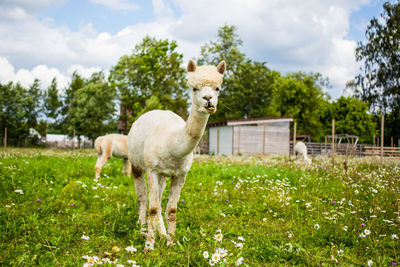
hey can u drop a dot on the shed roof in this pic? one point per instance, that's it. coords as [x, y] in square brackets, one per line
[249, 121]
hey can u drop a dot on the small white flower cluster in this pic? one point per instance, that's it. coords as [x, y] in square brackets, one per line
[94, 260]
[220, 254]
[19, 191]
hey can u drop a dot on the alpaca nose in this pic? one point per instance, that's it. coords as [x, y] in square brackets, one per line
[207, 97]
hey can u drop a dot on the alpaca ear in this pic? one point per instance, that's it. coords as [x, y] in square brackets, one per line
[191, 66]
[221, 67]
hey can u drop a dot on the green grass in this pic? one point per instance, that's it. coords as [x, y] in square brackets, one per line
[287, 214]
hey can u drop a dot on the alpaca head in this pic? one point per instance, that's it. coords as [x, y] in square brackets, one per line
[205, 83]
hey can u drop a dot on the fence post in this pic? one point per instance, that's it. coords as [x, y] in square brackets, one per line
[239, 140]
[217, 141]
[5, 138]
[73, 141]
[333, 142]
[264, 139]
[294, 138]
[382, 133]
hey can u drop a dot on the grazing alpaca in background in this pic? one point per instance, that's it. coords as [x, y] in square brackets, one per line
[301, 152]
[111, 145]
[162, 143]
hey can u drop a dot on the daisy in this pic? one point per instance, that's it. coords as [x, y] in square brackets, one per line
[222, 252]
[19, 191]
[316, 226]
[370, 262]
[362, 235]
[131, 249]
[106, 260]
[239, 261]
[218, 237]
[340, 253]
[394, 236]
[264, 219]
[215, 257]
[211, 262]
[205, 254]
[115, 249]
[240, 238]
[344, 228]
[85, 237]
[367, 232]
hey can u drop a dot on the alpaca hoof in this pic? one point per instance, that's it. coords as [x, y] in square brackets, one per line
[170, 241]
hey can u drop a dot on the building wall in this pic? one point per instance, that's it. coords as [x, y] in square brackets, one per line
[277, 138]
[256, 139]
[223, 146]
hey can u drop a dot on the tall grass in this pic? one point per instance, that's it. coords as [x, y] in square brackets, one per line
[250, 210]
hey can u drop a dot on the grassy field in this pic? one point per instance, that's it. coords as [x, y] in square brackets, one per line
[249, 210]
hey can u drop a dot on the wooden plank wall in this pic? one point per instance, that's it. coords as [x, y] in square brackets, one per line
[271, 138]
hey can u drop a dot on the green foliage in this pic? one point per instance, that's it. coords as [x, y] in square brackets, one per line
[380, 77]
[91, 107]
[52, 100]
[300, 96]
[226, 47]
[247, 93]
[351, 117]
[280, 212]
[17, 112]
[153, 68]
[379, 80]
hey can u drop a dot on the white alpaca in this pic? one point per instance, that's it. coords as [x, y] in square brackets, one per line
[162, 143]
[111, 145]
[301, 152]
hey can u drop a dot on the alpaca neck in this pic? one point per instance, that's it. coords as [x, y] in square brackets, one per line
[193, 131]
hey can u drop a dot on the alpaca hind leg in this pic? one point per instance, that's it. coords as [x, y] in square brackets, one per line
[141, 193]
[105, 155]
[101, 160]
[154, 209]
[170, 212]
[161, 225]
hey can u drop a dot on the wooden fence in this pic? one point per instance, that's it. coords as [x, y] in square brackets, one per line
[325, 149]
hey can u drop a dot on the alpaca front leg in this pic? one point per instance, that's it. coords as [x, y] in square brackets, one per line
[172, 206]
[154, 209]
[126, 167]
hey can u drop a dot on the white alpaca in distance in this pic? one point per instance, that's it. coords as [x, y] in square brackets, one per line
[161, 143]
[111, 145]
[301, 152]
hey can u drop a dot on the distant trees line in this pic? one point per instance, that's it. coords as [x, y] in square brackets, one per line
[152, 77]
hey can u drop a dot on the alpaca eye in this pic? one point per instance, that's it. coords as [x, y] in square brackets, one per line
[195, 89]
[217, 89]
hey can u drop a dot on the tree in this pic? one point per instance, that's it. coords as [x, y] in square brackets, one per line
[77, 82]
[52, 102]
[300, 96]
[34, 101]
[92, 107]
[153, 69]
[247, 93]
[351, 117]
[226, 47]
[379, 79]
[14, 112]
[248, 85]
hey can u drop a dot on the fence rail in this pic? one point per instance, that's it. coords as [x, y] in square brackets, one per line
[325, 149]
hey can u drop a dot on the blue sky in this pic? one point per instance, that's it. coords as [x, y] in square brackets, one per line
[47, 38]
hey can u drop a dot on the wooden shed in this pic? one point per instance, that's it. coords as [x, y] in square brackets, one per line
[250, 136]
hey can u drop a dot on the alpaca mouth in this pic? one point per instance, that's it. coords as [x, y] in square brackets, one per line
[210, 107]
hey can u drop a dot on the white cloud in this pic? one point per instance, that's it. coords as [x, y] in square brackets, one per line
[117, 4]
[42, 72]
[288, 35]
